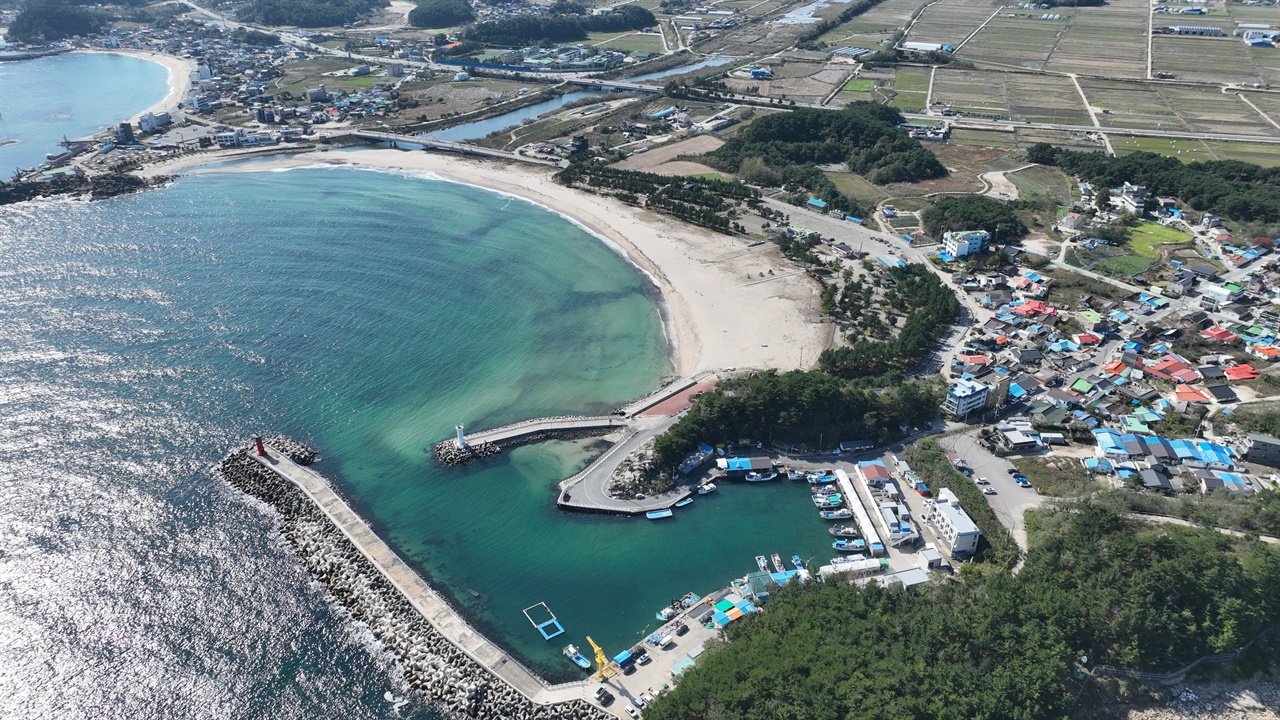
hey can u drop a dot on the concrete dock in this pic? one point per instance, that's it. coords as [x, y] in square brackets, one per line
[425, 600]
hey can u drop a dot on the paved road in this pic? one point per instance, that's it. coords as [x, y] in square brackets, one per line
[1010, 501]
[590, 491]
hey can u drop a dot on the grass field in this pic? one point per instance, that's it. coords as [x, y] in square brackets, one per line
[1146, 237]
[635, 42]
[1191, 150]
[1123, 265]
[1057, 477]
[856, 187]
[859, 85]
[911, 88]
[1041, 180]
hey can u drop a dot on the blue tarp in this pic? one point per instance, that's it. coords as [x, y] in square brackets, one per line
[623, 657]
[817, 203]
[1017, 391]
[738, 464]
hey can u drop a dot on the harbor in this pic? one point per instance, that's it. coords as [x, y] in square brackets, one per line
[457, 668]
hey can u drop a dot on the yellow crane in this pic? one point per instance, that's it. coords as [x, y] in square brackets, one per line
[606, 670]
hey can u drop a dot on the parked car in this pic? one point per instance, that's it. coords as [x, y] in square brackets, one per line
[983, 481]
[1014, 471]
[988, 490]
[646, 698]
[632, 712]
[604, 697]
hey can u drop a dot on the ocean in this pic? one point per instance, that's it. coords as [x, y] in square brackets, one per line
[73, 95]
[365, 313]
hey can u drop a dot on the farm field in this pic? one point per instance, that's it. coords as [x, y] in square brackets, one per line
[1155, 106]
[911, 88]
[857, 187]
[1019, 96]
[1109, 40]
[635, 43]
[1017, 39]
[874, 26]
[1185, 150]
[1206, 59]
[950, 21]
[1146, 238]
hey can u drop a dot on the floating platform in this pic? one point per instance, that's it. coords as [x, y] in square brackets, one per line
[548, 628]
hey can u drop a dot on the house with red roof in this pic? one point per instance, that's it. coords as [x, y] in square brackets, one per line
[1219, 334]
[1242, 372]
[1035, 307]
[1187, 393]
[1088, 339]
[1172, 367]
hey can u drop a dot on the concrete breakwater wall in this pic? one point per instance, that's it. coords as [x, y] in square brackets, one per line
[493, 442]
[449, 678]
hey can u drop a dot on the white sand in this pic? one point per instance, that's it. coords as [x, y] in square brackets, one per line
[717, 318]
[179, 76]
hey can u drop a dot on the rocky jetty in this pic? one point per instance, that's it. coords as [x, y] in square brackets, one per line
[447, 677]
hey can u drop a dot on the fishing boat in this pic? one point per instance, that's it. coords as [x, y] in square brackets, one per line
[665, 614]
[795, 560]
[850, 545]
[689, 599]
[707, 489]
[842, 531]
[572, 653]
[841, 514]
[828, 501]
[820, 477]
[826, 490]
[794, 474]
[658, 514]
[847, 560]
[777, 563]
[763, 563]
[761, 476]
[684, 502]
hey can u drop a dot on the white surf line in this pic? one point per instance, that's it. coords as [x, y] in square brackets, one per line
[975, 32]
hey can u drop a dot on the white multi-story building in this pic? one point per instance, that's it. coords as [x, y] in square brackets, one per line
[955, 529]
[964, 397]
[964, 243]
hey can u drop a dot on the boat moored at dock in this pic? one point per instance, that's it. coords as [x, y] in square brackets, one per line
[826, 490]
[828, 501]
[659, 514]
[794, 474]
[706, 489]
[572, 653]
[760, 476]
[685, 502]
[795, 560]
[841, 514]
[763, 563]
[844, 531]
[820, 477]
[777, 563]
[850, 545]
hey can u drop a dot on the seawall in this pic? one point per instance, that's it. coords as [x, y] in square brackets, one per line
[456, 670]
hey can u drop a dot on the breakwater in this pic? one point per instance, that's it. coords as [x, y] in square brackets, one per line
[458, 671]
[491, 442]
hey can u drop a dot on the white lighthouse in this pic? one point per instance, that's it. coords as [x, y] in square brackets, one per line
[462, 440]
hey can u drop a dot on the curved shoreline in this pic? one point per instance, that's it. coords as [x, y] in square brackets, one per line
[716, 320]
[179, 79]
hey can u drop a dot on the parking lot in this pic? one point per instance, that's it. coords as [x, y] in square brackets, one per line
[1010, 501]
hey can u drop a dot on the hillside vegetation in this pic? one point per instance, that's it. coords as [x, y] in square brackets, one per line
[785, 148]
[307, 13]
[991, 645]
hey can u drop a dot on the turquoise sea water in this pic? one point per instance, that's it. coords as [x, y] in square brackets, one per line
[365, 313]
[73, 95]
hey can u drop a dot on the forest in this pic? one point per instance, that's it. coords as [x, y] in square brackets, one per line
[959, 213]
[863, 135]
[441, 13]
[708, 202]
[307, 13]
[929, 306]
[799, 407]
[1095, 585]
[54, 22]
[558, 28]
[1229, 188]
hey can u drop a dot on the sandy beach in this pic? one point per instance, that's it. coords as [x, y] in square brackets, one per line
[179, 76]
[718, 310]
